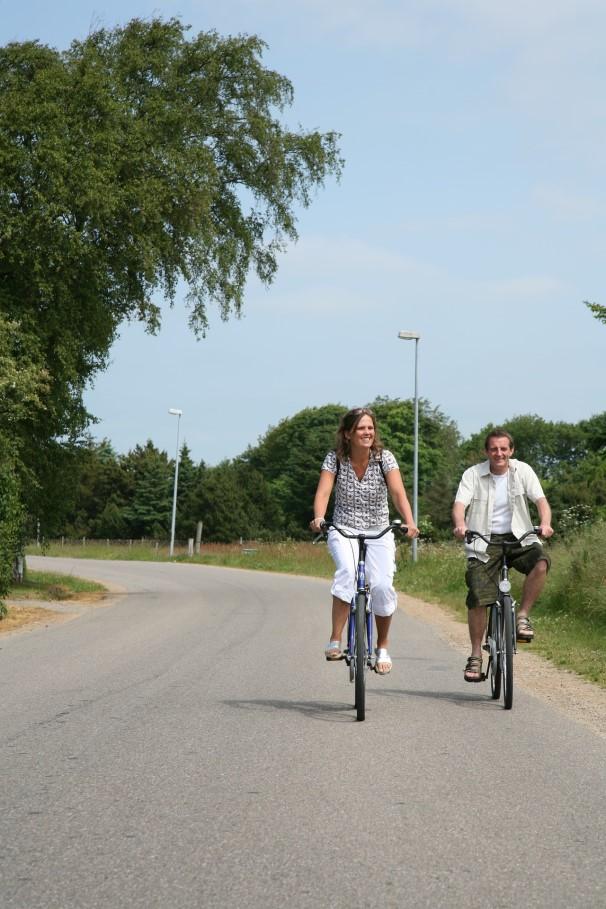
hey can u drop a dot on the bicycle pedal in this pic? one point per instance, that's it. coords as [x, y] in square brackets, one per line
[486, 647]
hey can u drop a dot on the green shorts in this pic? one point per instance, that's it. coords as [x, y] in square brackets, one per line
[482, 578]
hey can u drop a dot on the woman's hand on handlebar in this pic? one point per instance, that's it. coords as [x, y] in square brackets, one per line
[412, 531]
[316, 525]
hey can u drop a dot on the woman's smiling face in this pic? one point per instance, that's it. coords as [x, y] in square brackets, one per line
[363, 434]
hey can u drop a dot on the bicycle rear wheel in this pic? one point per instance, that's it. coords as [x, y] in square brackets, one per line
[360, 654]
[508, 633]
[495, 651]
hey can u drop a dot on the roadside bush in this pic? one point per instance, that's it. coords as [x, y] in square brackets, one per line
[11, 521]
[579, 587]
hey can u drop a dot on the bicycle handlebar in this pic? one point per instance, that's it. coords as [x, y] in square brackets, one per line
[393, 525]
[471, 535]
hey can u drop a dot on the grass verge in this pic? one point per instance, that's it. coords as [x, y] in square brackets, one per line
[47, 585]
[44, 586]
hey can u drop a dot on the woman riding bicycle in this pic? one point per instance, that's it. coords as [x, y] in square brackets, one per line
[363, 473]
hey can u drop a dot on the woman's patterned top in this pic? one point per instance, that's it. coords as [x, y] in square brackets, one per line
[361, 504]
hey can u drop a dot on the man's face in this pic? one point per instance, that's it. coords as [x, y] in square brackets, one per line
[499, 451]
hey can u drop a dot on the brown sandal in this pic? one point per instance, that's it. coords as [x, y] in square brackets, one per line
[524, 630]
[473, 670]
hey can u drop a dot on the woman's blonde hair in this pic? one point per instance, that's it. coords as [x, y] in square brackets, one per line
[348, 424]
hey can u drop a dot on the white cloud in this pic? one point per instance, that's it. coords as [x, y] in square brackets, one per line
[567, 204]
[481, 23]
[524, 289]
[329, 276]
[337, 255]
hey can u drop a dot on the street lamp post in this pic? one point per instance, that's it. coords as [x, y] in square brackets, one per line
[176, 413]
[414, 336]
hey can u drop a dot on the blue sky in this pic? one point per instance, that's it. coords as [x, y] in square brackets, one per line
[471, 209]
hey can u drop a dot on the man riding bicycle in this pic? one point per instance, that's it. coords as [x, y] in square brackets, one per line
[492, 499]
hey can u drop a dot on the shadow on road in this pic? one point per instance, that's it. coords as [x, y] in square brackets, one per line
[318, 710]
[473, 698]
[344, 713]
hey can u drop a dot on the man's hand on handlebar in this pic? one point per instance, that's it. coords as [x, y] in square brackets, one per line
[544, 530]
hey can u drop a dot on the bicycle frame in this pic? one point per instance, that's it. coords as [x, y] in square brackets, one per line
[361, 588]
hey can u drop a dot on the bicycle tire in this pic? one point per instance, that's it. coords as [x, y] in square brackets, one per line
[360, 654]
[494, 635]
[351, 637]
[508, 632]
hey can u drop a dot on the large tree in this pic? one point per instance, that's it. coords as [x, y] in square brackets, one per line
[23, 390]
[139, 158]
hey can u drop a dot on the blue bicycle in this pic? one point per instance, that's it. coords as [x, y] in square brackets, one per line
[359, 653]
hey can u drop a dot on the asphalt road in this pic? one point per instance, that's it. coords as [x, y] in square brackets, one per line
[188, 746]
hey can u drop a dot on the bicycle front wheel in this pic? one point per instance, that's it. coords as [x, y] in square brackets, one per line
[494, 640]
[508, 633]
[360, 651]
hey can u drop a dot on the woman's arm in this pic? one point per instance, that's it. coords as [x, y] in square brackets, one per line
[395, 486]
[325, 485]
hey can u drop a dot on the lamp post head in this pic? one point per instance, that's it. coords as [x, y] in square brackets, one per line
[409, 335]
[175, 411]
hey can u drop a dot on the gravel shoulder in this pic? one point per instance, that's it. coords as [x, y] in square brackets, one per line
[560, 688]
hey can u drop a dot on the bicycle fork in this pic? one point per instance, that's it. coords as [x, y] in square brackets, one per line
[505, 590]
[495, 641]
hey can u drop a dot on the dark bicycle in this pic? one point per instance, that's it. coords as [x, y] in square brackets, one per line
[359, 654]
[500, 643]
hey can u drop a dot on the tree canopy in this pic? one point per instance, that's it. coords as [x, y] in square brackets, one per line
[132, 161]
[139, 159]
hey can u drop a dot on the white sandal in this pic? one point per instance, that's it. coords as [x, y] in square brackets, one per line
[384, 658]
[332, 650]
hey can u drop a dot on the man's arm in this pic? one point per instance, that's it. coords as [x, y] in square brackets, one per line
[463, 498]
[534, 492]
[544, 517]
[458, 520]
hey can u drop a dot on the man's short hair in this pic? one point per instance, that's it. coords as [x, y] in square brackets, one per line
[498, 433]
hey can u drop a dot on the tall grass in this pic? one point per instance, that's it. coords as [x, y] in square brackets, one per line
[131, 550]
[290, 557]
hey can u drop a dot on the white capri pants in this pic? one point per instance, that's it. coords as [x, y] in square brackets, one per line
[380, 568]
